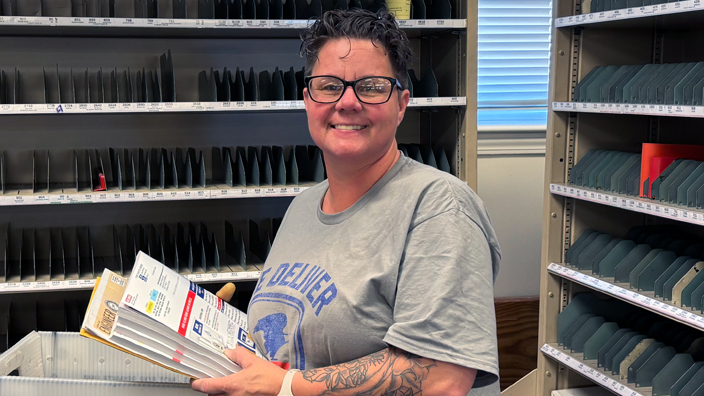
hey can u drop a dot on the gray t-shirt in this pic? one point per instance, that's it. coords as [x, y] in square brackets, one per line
[411, 264]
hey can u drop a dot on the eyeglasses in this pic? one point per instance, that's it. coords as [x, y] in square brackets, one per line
[369, 90]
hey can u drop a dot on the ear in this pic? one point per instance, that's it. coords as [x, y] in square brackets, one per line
[306, 97]
[403, 100]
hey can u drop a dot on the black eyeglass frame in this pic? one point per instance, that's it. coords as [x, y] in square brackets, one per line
[394, 83]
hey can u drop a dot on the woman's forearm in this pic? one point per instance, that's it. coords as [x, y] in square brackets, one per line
[389, 372]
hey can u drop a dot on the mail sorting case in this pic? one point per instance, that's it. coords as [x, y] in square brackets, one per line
[645, 62]
[66, 364]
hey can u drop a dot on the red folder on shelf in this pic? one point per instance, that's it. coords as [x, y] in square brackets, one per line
[657, 157]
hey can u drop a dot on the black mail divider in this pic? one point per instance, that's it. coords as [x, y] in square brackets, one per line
[153, 168]
[147, 169]
[95, 87]
[57, 254]
[637, 346]
[260, 241]
[271, 87]
[123, 169]
[4, 325]
[235, 86]
[437, 158]
[188, 248]
[657, 259]
[40, 312]
[48, 254]
[214, 9]
[431, 9]
[425, 87]
[38, 162]
[160, 85]
[10, 87]
[270, 167]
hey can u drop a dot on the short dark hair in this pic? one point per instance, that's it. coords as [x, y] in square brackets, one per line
[378, 27]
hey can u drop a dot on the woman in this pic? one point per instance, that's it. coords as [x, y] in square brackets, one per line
[380, 279]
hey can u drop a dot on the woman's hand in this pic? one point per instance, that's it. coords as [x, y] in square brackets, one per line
[257, 378]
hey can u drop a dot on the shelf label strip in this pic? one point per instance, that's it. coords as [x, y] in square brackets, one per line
[626, 108]
[142, 196]
[201, 23]
[586, 370]
[84, 284]
[663, 309]
[630, 13]
[642, 205]
[175, 107]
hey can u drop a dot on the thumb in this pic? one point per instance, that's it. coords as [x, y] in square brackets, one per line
[241, 356]
[226, 292]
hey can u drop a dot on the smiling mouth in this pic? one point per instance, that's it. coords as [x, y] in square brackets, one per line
[349, 127]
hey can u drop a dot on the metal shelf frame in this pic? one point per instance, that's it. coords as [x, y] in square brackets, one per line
[581, 41]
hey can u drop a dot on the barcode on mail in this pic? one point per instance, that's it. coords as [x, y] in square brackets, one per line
[107, 321]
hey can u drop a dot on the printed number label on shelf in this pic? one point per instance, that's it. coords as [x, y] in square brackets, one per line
[589, 372]
[636, 298]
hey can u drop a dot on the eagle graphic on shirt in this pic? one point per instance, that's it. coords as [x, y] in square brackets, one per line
[284, 296]
[273, 327]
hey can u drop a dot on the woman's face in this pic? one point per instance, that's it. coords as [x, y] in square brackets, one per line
[349, 130]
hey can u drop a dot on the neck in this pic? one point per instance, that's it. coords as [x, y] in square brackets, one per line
[348, 184]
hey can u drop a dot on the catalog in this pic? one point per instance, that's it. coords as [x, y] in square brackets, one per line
[166, 319]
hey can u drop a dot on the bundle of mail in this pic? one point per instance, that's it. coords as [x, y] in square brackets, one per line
[161, 316]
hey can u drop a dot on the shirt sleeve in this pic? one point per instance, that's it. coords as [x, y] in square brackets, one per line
[444, 305]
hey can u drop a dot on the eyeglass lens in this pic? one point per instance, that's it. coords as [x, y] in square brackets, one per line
[370, 90]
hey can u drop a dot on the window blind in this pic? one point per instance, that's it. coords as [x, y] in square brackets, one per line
[513, 63]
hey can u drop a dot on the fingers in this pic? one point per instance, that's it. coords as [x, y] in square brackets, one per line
[226, 292]
[211, 386]
[241, 356]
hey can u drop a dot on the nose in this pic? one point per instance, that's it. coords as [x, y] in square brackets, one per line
[348, 101]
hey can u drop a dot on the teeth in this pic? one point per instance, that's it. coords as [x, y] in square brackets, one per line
[349, 127]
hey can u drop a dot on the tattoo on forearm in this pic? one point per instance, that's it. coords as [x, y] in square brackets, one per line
[390, 372]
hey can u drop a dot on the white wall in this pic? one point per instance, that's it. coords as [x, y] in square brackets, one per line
[510, 174]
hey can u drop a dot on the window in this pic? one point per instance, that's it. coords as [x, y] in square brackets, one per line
[513, 63]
